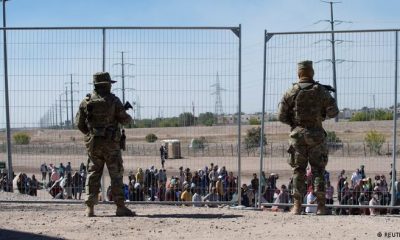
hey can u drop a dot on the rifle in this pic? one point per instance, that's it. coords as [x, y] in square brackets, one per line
[328, 87]
[127, 105]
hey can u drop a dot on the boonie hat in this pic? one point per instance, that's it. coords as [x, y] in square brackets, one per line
[102, 78]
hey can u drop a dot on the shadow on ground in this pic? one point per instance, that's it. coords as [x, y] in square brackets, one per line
[198, 216]
[17, 235]
[189, 215]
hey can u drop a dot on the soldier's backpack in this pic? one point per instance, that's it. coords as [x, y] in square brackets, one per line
[307, 104]
[100, 114]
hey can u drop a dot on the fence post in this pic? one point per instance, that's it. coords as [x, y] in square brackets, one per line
[239, 34]
[7, 102]
[393, 199]
[103, 189]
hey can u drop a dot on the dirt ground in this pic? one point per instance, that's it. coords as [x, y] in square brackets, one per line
[61, 221]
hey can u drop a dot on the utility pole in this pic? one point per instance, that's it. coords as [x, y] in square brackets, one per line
[56, 113]
[72, 104]
[333, 57]
[71, 100]
[60, 111]
[218, 109]
[53, 117]
[66, 105]
[123, 75]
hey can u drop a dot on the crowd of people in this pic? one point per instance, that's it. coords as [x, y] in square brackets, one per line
[21, 183]
[63, 182]
[358, 189]
[211, 184]
[60, 182]
[362, 190]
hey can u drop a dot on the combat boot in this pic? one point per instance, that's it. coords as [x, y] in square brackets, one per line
[89, 211]
[321, 203]
[123, 211]
[296, 209]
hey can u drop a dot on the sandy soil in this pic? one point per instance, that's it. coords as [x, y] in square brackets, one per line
[61, 221]
[52, 221]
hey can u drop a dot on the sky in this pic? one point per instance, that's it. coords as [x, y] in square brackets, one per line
[255, 16]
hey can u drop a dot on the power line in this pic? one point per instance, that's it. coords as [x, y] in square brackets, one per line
[333, 42]
[218, 109]
[123, 75]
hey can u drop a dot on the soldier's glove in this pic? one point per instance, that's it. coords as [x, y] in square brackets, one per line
[127, 105]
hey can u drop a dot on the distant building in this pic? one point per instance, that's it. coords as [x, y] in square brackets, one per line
[346, 113]
[244, 118]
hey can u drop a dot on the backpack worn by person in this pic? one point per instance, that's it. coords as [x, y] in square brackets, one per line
[307, 104]
[100, 115]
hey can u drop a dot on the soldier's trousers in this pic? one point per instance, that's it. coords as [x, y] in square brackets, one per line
[308, 146]
[104, 153]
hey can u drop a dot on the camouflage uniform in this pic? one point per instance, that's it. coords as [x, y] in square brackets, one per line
[305, 113]
[99, 116]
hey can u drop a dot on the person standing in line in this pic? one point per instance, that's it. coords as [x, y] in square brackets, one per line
[162, 155]
[43, 170]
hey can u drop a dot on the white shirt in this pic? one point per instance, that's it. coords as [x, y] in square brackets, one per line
[355, 178]
[196, 198]
[311, 198]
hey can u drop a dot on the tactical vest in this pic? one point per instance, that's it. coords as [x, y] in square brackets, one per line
[100, 115]
[307, 104]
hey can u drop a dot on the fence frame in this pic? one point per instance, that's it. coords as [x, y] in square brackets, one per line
[268, 36]
[237, 30]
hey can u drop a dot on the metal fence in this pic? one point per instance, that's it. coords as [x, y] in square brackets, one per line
[363, 68]
[176, 78]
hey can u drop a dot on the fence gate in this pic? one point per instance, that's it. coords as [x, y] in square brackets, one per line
[183, 84]
[363, 68]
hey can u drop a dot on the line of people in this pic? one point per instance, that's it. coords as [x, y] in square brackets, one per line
[211, 183]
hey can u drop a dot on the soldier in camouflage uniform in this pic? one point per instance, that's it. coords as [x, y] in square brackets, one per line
[99, 117]
[304, 107]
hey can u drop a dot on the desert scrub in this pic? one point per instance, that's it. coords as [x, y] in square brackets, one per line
[151, 137]
[21, 138]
